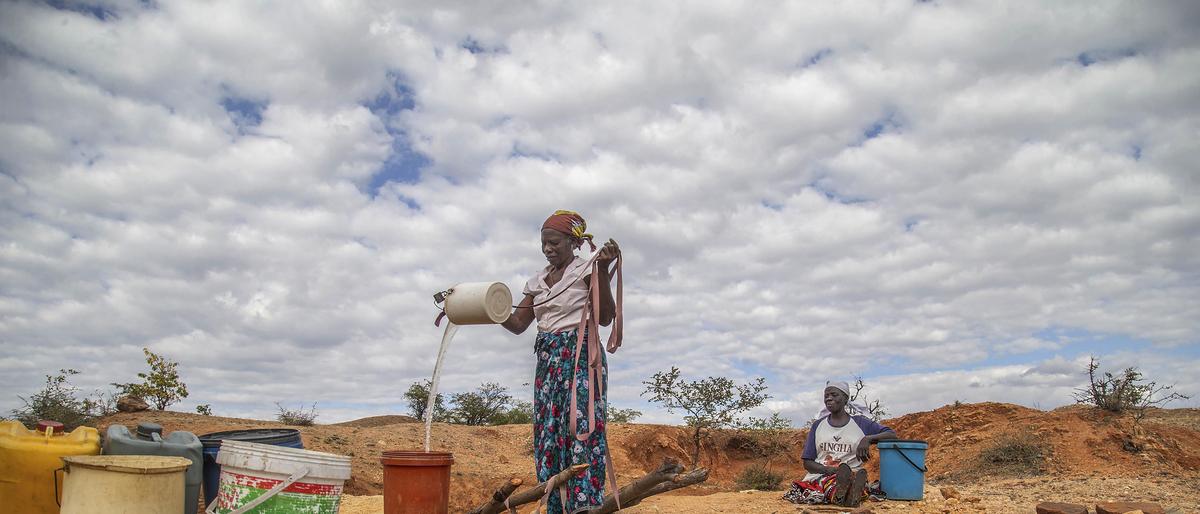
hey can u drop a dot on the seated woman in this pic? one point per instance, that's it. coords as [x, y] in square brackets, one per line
[838, 444]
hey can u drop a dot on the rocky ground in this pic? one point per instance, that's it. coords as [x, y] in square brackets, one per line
[1083, 456]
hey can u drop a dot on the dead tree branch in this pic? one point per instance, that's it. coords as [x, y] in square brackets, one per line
[496, 504]
[530, 495]
[668, 477]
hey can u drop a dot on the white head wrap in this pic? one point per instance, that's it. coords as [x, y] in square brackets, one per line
[852, 409]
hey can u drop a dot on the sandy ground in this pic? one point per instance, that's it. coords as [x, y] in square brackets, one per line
[1003, 496]
[1090, 457]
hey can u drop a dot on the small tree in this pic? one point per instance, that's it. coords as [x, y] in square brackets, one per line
[418, 398]
[1125, 391]
[161, 386]
[58, 401]
[204, 410]
[712, 403]
[622, 415]
[519, 413]
[480, 407]
[874, 409]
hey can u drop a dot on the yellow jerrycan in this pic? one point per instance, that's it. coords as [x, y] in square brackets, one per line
[28, 460]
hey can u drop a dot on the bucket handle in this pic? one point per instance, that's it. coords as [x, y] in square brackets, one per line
[910, 461]
[265, 496]
[54, 478]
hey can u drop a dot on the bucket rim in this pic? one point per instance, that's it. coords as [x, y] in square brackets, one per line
[256, 435]
[151, 464]
[897, 442]
[416, 458]
[235, 446]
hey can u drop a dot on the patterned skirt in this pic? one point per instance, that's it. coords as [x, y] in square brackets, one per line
[554, 448]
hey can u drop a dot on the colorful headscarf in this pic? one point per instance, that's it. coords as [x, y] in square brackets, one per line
[570, 223]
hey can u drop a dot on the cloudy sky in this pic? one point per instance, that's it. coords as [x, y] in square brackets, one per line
[956, 201]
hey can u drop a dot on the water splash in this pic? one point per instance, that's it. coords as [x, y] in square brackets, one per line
[447, 336]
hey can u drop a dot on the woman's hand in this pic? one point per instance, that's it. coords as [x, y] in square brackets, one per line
[608, 253]
[864, 449]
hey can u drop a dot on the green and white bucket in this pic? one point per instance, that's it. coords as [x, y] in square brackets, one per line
[277, 480]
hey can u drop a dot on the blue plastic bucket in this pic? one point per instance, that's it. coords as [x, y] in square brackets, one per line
[902, 469]
[287, 437]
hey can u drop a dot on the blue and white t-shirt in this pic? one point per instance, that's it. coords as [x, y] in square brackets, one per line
[830, 446]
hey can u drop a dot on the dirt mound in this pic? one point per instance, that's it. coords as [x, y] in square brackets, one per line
[1094, 447]
[378, 421]
[1078, 440]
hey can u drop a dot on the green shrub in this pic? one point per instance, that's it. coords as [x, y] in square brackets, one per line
[518, 413]
[298, 417]
[759, 477]
[1127, 390]
[616, 415]
[58, 401]
[483, 406]
[205, 409]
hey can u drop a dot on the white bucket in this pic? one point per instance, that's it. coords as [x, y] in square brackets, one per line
[478, 303]
[282, 479]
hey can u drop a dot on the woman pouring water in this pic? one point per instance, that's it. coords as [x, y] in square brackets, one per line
[569, 298]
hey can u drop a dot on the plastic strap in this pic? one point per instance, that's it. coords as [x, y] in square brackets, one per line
[265, 496]
[589, 326]
[612, 476]
[914, 464]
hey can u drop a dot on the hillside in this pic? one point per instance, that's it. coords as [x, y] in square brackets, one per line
[1088, 456]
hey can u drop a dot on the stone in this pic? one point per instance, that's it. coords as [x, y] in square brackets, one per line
[1060, 508]
[949, 492]
[132, 404]
[1125, 507]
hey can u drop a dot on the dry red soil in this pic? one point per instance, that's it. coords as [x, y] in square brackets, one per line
[1091, 456]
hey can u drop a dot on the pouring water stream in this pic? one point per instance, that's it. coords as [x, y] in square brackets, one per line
[447, 336]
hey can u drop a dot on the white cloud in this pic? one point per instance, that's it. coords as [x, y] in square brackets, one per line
[938, 197]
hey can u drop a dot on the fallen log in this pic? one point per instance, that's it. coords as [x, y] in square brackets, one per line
[669, 476]
[530, 495]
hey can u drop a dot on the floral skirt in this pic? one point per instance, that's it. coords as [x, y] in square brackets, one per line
[820, 490]
[554, 448]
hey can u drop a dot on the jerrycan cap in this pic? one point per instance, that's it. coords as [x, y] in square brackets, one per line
[53, 427]
[146, 430]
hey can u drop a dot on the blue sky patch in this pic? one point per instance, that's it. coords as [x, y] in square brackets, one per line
[813, 59]
[244, 112]
[1091, 57]
[403, 163]
[888, 123]
[830, 193]
[520, 153]
[474, 46]
[96, 11]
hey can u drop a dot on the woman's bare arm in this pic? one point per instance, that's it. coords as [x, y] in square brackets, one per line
[521, 316]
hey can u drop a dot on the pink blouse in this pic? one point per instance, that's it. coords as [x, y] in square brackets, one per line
[564, 312]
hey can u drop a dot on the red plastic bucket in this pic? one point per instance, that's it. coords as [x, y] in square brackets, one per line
[416, 482]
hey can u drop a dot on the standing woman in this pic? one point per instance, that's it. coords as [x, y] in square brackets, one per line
[557, 296]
